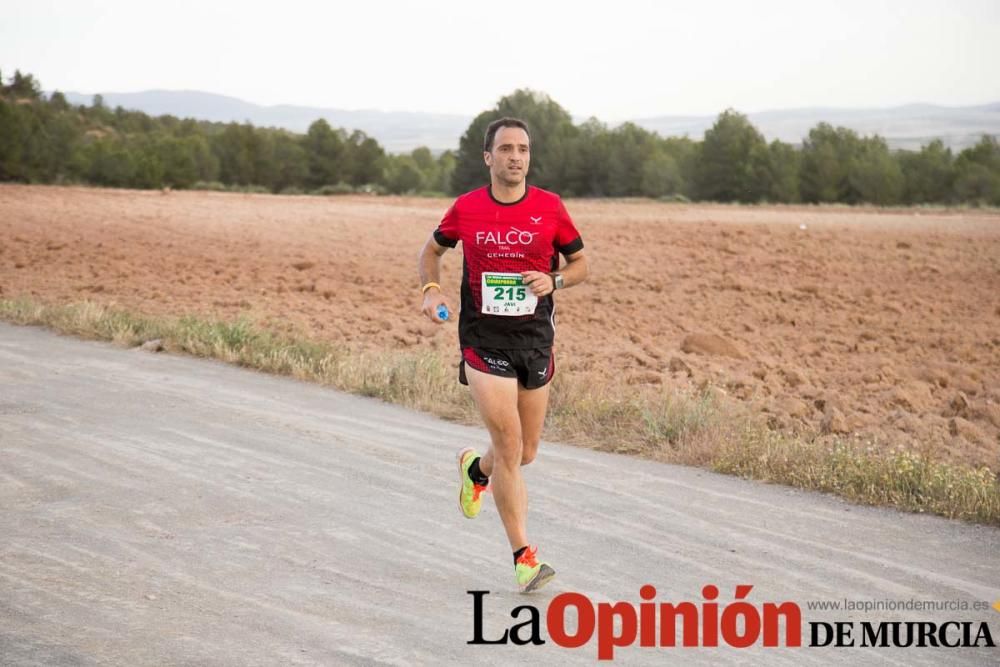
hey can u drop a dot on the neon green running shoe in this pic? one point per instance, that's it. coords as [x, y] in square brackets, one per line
[469, 493]
[532, 575]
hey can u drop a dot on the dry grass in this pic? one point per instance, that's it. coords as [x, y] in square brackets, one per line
[679, 428]
[867, 474]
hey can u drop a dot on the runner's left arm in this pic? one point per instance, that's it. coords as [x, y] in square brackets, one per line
[574, 272]
[568, 242]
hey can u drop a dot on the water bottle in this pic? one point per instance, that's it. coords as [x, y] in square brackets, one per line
[442, 312]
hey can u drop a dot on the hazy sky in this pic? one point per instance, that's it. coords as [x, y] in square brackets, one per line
[616, 60]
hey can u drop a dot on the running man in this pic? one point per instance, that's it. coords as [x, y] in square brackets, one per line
[511, 236]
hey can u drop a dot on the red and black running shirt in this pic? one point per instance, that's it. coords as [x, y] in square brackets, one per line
[525, 235]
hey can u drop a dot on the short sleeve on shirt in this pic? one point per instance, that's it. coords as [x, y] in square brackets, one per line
[447, 232]
[568, 238]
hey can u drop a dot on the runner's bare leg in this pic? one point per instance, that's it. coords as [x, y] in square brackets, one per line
[531, 406]
[497, 399]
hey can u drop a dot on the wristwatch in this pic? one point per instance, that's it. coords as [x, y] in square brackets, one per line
[557, 281]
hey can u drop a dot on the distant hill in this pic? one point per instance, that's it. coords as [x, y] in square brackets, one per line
[908, 126]
[397, 131]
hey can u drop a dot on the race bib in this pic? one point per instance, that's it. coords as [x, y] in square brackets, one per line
[506, 294]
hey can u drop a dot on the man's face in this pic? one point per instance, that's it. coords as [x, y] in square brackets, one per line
[508, 161]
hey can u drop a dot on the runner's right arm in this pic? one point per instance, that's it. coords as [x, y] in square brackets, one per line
[430, 272]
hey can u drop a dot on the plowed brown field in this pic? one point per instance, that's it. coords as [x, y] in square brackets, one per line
[883, 324]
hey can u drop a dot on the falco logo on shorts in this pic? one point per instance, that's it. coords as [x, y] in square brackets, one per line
[496, 363]
[512, 237]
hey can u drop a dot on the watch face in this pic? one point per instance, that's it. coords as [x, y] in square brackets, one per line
[559, 281]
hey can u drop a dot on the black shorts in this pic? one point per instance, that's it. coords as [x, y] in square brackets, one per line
[532, 368]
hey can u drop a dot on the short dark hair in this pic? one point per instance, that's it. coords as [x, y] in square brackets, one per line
[492, 128]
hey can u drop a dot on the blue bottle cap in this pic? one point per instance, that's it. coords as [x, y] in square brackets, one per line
[442, 312]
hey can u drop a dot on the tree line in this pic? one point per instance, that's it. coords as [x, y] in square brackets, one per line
[47, 140]
[733, 162]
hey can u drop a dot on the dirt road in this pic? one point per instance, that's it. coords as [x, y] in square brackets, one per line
[167, 510]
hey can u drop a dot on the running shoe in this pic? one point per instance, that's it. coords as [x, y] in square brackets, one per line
[469, 493]
[532, 575]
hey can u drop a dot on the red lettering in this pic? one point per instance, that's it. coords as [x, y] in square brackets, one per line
[647, 616]
[555, 620]
[606, 639]
[710, 617]
[751, 624]
[793, 623]
[742, 624]
[689, 618]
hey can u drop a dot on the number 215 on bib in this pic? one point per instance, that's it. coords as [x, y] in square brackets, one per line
[506, 294]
